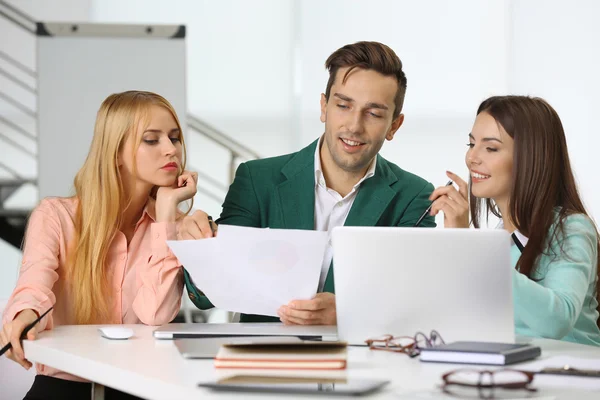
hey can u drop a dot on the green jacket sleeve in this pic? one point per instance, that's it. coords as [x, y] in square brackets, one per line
[196, 295]
[551, 306]
[417, 207]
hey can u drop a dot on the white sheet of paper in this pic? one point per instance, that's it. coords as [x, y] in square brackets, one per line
[254, 270]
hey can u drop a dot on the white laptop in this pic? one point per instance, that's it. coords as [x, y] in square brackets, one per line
[179, 331]
[206, 348]
[401, 281]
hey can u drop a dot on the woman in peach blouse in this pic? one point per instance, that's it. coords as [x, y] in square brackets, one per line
[100, 257]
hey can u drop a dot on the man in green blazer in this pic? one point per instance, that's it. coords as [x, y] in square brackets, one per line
[339, 179]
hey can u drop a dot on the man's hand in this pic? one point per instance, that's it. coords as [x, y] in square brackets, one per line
[196, 226]
[318, 311]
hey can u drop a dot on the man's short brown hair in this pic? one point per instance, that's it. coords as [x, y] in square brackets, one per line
[371, 56]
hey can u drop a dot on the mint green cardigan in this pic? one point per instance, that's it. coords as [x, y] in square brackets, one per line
[562, 303]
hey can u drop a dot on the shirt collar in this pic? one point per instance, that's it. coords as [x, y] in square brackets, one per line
[522, 238]
[149, 209]
[319, 177]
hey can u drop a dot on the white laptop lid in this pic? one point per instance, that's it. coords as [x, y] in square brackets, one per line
[401, 281]
[173, 331]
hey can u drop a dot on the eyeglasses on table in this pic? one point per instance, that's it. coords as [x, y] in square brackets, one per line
[410, 345]
[487, 384]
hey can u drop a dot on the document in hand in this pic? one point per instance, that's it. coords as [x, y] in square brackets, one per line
[303, 355]
[254, 270]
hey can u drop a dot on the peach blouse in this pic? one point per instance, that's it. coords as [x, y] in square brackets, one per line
[145, 277]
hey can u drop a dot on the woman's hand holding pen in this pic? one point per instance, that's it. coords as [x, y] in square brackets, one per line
[11, 332]
[168, 198]
[453, 203]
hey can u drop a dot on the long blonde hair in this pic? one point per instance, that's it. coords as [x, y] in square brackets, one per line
[102, 199]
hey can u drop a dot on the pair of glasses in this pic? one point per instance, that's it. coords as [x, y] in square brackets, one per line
[486, 384]
[410, 345]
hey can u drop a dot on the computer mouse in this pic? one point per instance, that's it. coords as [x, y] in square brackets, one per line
[116, 332]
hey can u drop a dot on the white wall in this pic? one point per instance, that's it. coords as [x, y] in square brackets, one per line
[239, 71]
[261, 80]
[239, 62]
[86, 77]
[454, 55]
[555, 54]
[21, 46]
[255, 69]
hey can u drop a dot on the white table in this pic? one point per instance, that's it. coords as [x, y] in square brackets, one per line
[154, 369]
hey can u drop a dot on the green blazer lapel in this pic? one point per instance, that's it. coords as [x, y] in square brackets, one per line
[297, 193]
[373, 196]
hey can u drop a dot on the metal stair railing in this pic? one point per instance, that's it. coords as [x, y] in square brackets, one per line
[17, 145]
[17, 64]
[237, 151]
[17, 17]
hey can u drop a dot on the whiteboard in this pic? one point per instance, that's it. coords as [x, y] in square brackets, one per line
[78, 66]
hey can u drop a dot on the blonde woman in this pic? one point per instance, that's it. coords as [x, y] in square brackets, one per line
[100, 257]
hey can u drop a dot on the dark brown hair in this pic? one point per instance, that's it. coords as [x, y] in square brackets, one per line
[542, 178]
[371, 56]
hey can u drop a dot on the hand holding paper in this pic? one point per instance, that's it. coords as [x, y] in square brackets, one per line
[254, 270]
[318, 311]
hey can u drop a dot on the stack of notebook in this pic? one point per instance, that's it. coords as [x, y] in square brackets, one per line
[283, 355]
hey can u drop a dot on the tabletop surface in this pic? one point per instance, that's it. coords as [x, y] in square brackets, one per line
[154, 369]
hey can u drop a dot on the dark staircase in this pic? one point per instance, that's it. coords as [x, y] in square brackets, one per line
[13, 221]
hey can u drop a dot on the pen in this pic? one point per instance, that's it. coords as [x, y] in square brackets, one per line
[568, 370]
[210, 223]
[24, 333]
[428, 209]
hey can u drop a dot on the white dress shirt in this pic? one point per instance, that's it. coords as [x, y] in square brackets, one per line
[331, 209]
